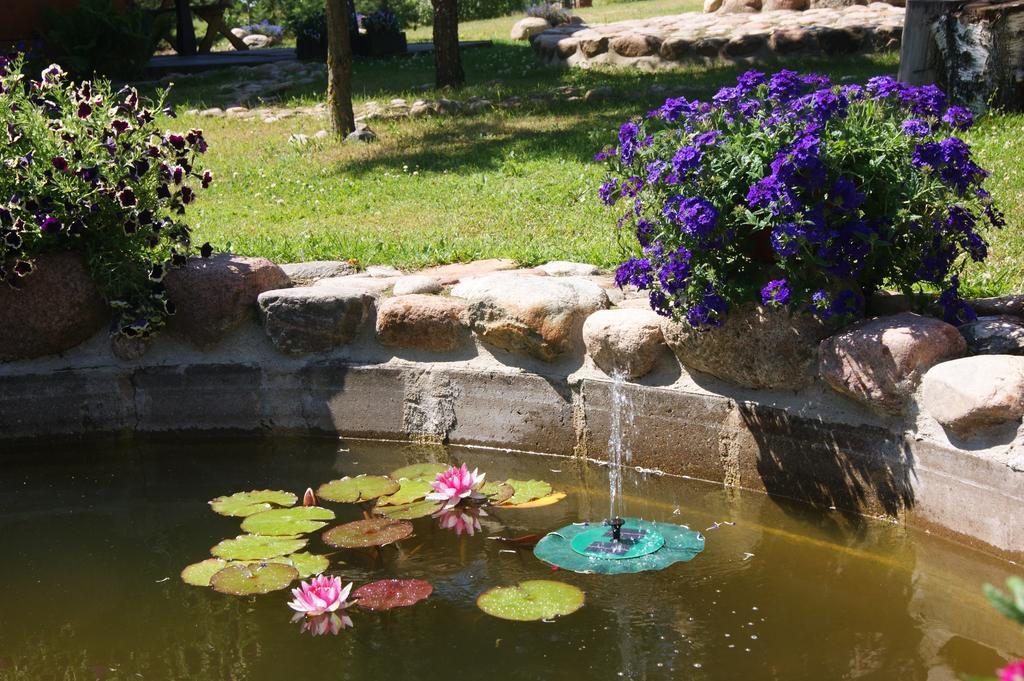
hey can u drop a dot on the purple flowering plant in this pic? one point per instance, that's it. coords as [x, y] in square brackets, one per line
[86, 169]
[790, 191]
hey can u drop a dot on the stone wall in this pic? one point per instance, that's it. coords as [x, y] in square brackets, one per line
[902, 415]
[697, 38]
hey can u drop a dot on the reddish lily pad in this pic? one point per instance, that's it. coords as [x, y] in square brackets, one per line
[353, 490]
[417, 509]
[257, 578]
[411, 490]
[242, 504]
[391, 593]
[549, 500]
[287, 521]
[532, 600]
[372, 532]
[257, 547]
[419, 471]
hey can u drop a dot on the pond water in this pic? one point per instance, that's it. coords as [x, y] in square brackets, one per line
[94, 538]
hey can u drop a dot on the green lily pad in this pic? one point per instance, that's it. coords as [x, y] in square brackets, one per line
[242, 504]
[497, 492]
[532, 600]
[198, 574]
[372, 532]
[361, 488]
[257, 547]
[417, 509]
[527, 490]
[391, 593]
[307, 564]
[258, 578]
[287, 521]
[680, 544]
[419, 471]
[411, 490]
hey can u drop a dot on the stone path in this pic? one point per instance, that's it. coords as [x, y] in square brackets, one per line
[698, 38]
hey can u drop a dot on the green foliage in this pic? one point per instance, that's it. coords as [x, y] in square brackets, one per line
[1012, 605]
[95, 37]
[88, 170]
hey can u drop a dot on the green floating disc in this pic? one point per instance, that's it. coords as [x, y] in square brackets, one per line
[645, 546]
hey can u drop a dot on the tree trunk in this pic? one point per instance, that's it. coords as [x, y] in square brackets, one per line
[973, 50]
[447, 60]
[339, 69]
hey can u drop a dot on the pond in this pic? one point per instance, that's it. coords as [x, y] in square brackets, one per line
[95, 536]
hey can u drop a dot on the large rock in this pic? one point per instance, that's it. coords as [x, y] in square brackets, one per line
[461, 271]
[1012, 304]
[879, 362]
[974, 393]
[712, 6]
[740, 6]
[313, 319]
[636, 44]
[526, 28]
[754, 348]
[416, 283]
[626, 341]
[422, 322]
[536, 316]
[57, 308]
[792, 5]
[564, 268]
[215, 295]
[998, 335]
[306, 273]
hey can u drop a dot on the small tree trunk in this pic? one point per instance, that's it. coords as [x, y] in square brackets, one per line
[973, 50]
[447, 60]
[339, 68]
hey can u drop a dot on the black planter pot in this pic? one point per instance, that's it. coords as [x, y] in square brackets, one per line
[379, 44]
[311, 47]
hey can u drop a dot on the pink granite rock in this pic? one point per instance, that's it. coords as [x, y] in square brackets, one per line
[215, 295]
[57, 308]
[974, 393]
[422, 322]
[880, 361]
[624, 340]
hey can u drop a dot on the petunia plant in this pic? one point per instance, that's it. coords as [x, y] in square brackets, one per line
[86, 169]
[789, 190]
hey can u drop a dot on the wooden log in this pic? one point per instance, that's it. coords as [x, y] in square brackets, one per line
[973, 50]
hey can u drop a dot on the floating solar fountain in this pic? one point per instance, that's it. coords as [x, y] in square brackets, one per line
[619, 545]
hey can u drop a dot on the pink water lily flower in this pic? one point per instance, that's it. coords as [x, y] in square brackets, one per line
[456, 484]
[1012, 672]
[321, 594]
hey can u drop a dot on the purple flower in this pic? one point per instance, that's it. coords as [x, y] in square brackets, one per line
[609, 192]
[707, 139]
[916, 127]
[776, 293]
[59, 162]
[696, 215]
[708, 312]
[881, 87]
[49, 224]
[126, 197]
[675, 271]
[177, 141]
[786, 238]
[628, 141]
[956, 311]
[634, 272]
[845, 196]
[958, 117]
[207, 179]
[120, 127]
[686, 160]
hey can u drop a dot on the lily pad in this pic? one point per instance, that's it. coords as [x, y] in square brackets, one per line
[242, 504]
[361, 488]
[258, 578]
[198, 574]
[550, 499]
[527, 490]
[257, 547]
[417, 509]
[681, 544]
[411, 490]
[532, 600]
[287, 521]
[497, 492]
[308, 564]
[391, 593]
[372, 532]
[419, 471]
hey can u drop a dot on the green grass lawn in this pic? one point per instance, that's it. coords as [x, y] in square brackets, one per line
[518, 184]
